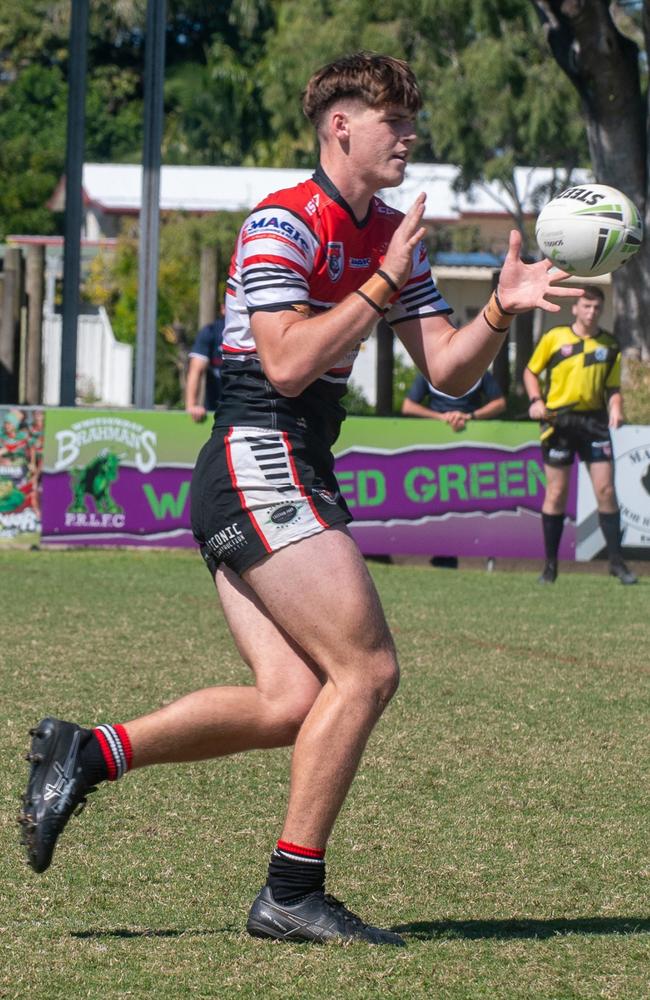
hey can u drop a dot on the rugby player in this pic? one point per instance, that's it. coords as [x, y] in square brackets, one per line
[314, 268]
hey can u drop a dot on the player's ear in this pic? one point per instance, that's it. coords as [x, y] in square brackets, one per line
[339, 122]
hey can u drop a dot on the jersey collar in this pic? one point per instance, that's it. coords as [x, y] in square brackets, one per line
[320, 177]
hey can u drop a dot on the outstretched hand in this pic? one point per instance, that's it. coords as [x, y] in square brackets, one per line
[528, 286]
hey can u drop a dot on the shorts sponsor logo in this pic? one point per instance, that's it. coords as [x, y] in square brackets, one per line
[282, 515]
[335, 260]
[227, 540]
[327, 496]
[558, 453]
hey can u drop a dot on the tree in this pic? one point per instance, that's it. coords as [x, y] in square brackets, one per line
[591, 44]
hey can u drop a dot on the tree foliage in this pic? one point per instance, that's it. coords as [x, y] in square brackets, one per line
[597, 48]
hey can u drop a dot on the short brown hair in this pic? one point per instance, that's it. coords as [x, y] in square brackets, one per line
[374, 79]
[592, 292]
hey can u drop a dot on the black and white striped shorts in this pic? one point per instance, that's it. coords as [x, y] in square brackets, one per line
[255, 491]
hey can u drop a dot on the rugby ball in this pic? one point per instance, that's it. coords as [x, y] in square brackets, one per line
[589, 230]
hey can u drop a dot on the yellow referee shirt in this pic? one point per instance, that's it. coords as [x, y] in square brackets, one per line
[579, 371]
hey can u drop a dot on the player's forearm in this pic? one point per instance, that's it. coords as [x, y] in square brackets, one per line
[295, 351]
[491, 410]
[531, 385]
[412, 409]
[457, 359]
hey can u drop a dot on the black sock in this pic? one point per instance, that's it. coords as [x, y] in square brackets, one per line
[295, 871]
[610, 525]
[92, 760]
[553, 525]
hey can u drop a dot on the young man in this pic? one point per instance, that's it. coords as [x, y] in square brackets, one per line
[313, 268]
[583, 401]
[484, 401]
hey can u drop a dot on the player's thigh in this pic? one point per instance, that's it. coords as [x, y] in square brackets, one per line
[320, 592]
[281, 668]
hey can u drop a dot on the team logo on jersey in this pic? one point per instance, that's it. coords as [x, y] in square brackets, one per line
[600, 354]
[335, 260]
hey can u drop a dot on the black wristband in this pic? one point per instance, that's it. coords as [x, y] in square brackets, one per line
[534, 399]
[387, 278]
[499, 306]
[374, 305]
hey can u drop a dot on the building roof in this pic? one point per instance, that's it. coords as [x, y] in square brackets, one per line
[116, 188]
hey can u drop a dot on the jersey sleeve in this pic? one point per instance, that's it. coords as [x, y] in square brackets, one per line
[203, 346]
[541, 355]
[277, 250]
[419, 297]
[419, 389]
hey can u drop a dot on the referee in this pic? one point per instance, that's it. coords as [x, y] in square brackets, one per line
[583, 367]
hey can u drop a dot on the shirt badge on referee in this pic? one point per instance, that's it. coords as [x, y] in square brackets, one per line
[335, 260]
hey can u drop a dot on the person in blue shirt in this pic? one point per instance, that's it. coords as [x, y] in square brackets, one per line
[483, 401]
[205, 356]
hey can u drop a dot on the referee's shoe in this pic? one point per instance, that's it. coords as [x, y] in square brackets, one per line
[618, 569]
[55, 789]
[318, 917]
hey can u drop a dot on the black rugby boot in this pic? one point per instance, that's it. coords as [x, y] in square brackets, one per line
[318, 917]
[618, 569]
[549, 573]
[55, 789]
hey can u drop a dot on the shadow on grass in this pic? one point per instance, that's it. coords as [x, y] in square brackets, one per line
[511, 929]
[153, 932]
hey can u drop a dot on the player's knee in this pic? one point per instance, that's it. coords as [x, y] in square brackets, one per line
[383, 680]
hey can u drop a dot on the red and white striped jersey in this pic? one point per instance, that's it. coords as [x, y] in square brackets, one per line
[303, 246]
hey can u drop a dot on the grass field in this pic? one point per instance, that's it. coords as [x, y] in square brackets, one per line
[499, 820]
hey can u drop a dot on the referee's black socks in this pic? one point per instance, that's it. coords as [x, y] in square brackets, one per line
[552, 525]
[610, 525]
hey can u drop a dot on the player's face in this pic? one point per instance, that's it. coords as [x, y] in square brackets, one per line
[587, 312]
[380, 142]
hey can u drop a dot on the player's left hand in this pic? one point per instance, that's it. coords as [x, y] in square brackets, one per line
[528, 286]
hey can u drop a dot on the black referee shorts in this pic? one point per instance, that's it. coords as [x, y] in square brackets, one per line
[585, 434]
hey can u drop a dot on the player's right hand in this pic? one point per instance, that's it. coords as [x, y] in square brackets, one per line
[197, 413]
[398, 261]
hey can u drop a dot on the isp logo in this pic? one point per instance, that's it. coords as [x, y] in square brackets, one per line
[335, 260]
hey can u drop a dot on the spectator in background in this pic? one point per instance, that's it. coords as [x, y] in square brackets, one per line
[205, 357]
[483, 401]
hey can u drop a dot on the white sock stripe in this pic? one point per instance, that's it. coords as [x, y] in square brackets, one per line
[298, 857]
[115, 747]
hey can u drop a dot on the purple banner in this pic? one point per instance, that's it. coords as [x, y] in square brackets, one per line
[473, 500]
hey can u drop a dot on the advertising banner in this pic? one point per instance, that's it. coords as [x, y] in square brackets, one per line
[632, 473]
[413, 486]
[21, 458]
[119, 477]
[417, 487]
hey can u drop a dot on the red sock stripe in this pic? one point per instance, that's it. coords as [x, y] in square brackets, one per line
[106, 754]
[307, 852]
[126, 744]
